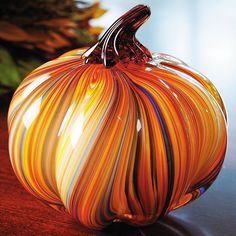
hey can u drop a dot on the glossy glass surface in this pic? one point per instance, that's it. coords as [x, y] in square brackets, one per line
[126, 143]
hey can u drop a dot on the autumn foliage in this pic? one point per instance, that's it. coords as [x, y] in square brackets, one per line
[33, 32]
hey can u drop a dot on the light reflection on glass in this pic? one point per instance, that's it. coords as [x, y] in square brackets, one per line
[35, 84]
[32, 112]
[77, 129]
[66, 119]
[139, 126]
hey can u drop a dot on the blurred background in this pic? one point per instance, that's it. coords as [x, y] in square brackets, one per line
[201, 33]
[33, 32]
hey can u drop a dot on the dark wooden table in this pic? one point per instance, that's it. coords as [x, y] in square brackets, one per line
[21, 214]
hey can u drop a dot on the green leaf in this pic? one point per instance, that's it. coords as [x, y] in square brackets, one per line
[27, 65]
[12, 73]
[9, 76]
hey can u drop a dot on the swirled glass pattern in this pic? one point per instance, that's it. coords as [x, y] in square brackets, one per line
[128, 142]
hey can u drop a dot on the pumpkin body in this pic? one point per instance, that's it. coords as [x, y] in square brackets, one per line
[127, 143]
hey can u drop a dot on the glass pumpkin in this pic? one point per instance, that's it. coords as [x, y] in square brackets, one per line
[115, 133]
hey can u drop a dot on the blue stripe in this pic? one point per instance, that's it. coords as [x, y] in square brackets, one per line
[168, 147]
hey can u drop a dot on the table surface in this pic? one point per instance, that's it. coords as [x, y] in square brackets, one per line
[21, 214]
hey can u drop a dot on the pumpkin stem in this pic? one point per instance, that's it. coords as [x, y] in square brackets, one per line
[119, 43]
